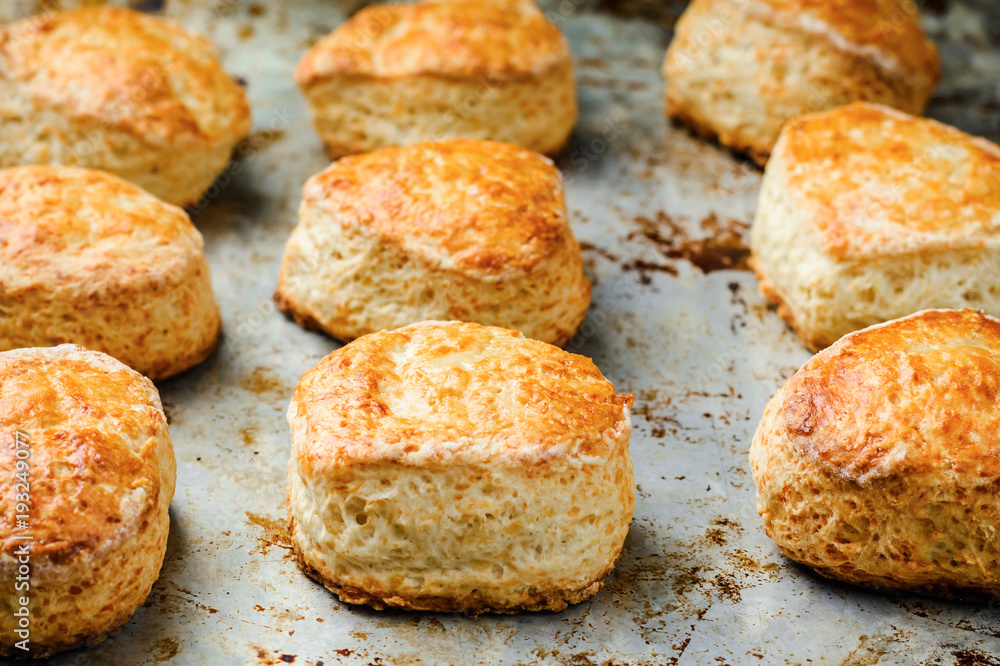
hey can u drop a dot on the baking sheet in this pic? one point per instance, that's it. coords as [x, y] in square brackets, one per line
[663, 219]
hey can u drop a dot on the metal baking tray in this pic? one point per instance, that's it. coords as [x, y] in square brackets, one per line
[676, 320]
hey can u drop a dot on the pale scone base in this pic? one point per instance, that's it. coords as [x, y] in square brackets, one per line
[556, 599]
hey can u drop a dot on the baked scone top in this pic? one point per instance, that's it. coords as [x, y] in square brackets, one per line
[91, 424]
[458, 38]
[907, 397]
[84, 230]
[139, 74]
[453, 392]
[874, 182]
[468, 205]
[887, 33]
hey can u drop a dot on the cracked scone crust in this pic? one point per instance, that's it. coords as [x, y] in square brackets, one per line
[89, 259]
[458, 229]
[396, 74]
[737, 70]
[102, 476]
[449, 466]
[867, 214]
[876, 464]
[124, 92]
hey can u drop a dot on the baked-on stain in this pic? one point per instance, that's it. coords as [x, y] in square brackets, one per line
[724, 248]
[969, 657]
[258, 141]
[662, 12]
[165, 649]
[274, 534]
[279, 658]
[264, 380]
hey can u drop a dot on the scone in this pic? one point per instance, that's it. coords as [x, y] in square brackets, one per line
[867, 214]
[12, 10]
[448, 466]
[89, 473]
[88, 258]
[401, 73]
[737, 70]
[878, 463]
[113, 89]
[459, 229]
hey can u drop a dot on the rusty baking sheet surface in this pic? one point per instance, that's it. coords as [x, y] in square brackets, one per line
[676, 320]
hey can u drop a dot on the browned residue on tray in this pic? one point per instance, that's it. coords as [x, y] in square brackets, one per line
[687, 577]
[260, 140]
[274, 533]
[724, 247]
[164, 649]
[264, 380]
[266, 657]
[664, 12]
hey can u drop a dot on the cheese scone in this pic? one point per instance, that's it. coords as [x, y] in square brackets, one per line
[400, 73]
[878, 463]
[90, 259]
[738, 70]
[89, 473]
[867, 214]
[449, 466]
[117, 90]
[459, 229]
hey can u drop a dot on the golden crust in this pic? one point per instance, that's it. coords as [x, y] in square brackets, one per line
[886, 32]
[88, 258]
[50, 394]
[455, 467]
[876, 463]
[875, 182]
[503, 395]
[476, 206]
[737, 70]
[467, 39]
[902, 398]
[102, 474]
[135, 73]
[458, 229]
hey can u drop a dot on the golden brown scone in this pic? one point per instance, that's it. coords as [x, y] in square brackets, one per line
[458, 229]
[397, 74]
[100, 475]
[449, 466]
[88, 258]
[737, 70]
[12, 10]
[878, 463]
[124, 92]
[867, 214]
